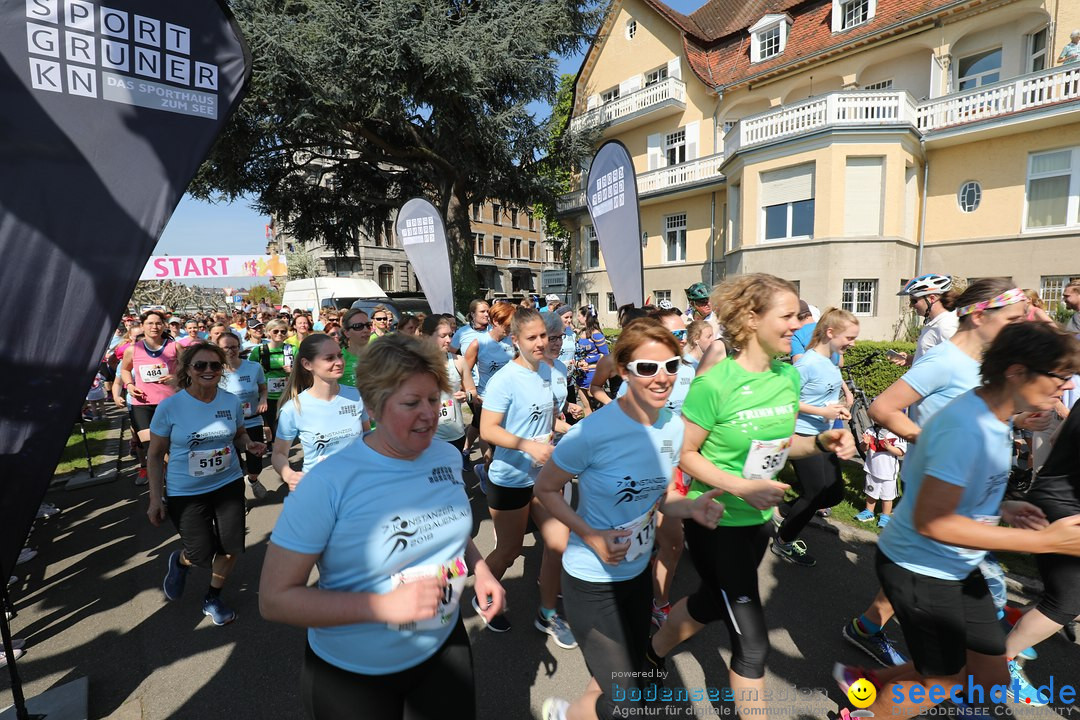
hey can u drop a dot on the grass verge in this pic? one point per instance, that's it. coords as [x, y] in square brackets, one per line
[73, 458]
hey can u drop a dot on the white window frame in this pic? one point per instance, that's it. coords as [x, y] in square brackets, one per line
[979, 77]
[675, 147]
[675, 236]
[880, 85]
[590, 241]
[609, 95]
[859, 297]
[611, 306]
[514, 217]
[841, 11]
[976, 187]
[1033, 54]
[496, 245]
[631, 28]
[656, 75]
[478, 243]
[764, 30]
[1072, 207]
[1051, 289]
[593, 299]
[660, 295]
[496, 214]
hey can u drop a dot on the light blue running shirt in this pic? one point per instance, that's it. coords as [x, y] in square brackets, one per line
[527, 402]
[569, 347]
[820, 384]
[679, 391]
[943, 373]
[244, 383]
[623, 470]
[965, 445]
[324, 427]
[202, 457]
[369, 517]
[491, 356]
[558, 386]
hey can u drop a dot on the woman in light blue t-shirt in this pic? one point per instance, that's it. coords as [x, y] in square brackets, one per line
[317, 408]
[388, 523]
[624, 455]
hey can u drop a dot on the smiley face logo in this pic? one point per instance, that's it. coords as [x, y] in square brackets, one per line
[862, 693]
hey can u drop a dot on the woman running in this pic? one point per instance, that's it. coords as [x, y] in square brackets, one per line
[591, 346]
[200, 428]
[276, 359]
[388, 524]
[955, 478]
[487, 354]
[821, 484]
[624, 456]
[317, 408]
[563, 407]
[944, 372]
[357, 331]
[381, 319]
[451, 420]
[740, 425]
[518, 421]
[408, 325]
[699, 336]
[301, 330]
[245, 380]
[148, 371]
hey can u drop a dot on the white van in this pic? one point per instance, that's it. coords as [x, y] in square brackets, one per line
[333, 292]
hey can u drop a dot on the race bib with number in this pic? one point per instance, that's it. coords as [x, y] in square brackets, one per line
[544, 439]
[454, 572]
[276, 384]
[642, 530]
[153, 373]
[447, 412]
[204, 463]
[766, 458]
[991, 520]
[247, 409]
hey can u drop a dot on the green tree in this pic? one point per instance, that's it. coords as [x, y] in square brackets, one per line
[264, 294]
[303, 264]
[560, 146]
[355, 106]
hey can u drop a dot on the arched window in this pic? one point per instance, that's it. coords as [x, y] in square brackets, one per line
[386, 278]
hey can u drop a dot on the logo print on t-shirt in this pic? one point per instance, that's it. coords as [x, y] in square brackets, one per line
[195, 439]
[535, 413]
[628, 490]
[399, 534]
[320, 442]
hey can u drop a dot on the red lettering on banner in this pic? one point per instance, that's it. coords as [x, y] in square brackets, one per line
[208, 267]
[191, 268]
[175, 266]
[162, 271]
[224, 265]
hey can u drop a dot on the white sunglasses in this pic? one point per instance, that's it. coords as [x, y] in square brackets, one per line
[650, 368]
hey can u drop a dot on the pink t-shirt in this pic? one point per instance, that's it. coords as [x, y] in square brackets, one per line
[147, 368]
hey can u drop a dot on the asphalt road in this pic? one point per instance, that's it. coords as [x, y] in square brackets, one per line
[91, 605]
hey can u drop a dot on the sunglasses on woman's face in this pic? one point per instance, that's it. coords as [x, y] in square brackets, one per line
[650, 368]
[679, 334]
[359, 326]
[380, 319]
[278, 332]
[202, 365]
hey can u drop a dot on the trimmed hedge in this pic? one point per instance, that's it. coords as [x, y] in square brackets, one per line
[879, 373]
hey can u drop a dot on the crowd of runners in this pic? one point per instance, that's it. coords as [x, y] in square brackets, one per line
[620, 453]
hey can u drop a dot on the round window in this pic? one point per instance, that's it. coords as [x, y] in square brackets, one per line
[969, 196]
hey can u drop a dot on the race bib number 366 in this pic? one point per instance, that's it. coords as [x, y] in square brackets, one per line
[766, 458]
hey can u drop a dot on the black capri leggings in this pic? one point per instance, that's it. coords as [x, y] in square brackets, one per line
[270, 416]
[253, 464]
[210, 524]
[611, 624]
[1058, 497]
[727, 559]
[424, 692]
[821, 485]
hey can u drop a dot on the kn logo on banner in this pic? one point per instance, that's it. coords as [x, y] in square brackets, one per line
[80, 48]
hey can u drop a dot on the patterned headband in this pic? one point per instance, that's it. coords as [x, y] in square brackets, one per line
[1009, 297]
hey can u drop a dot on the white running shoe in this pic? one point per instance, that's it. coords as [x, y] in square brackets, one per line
[26, 555]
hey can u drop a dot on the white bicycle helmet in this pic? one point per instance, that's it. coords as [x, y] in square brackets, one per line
[929, 284]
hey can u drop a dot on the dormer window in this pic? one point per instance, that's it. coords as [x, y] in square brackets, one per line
[847, 14]
[768, 37]
[631, 29]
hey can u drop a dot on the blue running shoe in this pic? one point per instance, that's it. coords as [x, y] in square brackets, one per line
[1022, 691]
[481, 473]
[175, 578]
[877, 646]
[216, 610]
[883, 520]
[865, 516]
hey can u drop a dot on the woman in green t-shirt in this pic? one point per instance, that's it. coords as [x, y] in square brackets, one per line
[356, 329]
[740, 430]
[275, 356]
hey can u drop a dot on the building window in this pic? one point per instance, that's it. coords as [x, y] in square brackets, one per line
[532, 222]
[769, 43]
[386, 278]
[609, 95]
[1051, 190]
[660, 296]
[768, 36]
[592, 247]
[1037, 51]
[631, 29]
[611, 306]
[654, 76]
[675, 238]
[858, 296]
[496, 213]
[1051, 289]
[593, 301]
[787, 203]
[675, 147]
[497, 245]
[477, 212]
[883, 85]
[532, 250]
[514, 217]
[850, 13]
[979, 69]
[478, 243]
[969, 196]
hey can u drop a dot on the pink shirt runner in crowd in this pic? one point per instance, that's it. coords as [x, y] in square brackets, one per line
[147, 368]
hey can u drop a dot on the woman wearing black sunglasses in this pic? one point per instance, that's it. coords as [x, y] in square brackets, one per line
[355, 331]
[200, 428]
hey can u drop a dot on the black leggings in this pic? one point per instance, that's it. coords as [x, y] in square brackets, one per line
[253, 464]
[611, 624]
[727, 559]
[430, 690]
[821, 485]
[270, 416]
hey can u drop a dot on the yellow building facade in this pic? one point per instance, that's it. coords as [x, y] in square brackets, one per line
[845, 145]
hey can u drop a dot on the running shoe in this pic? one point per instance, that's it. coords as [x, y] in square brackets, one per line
[217, 611]
[558, 629]
[26, 555]
[877, 646]
[46, 511]
[554, 709]
[793, 552]
[777, 518]
[660, 614]
[141, 478]
[4, 658]
[865, 516]
[498, 624]
[481, 474]
[824, 512]
[848, 675]
[884, 520]
[258, 490]
[18, 643]
[12, 580]
[175, 578]
[1022, 691]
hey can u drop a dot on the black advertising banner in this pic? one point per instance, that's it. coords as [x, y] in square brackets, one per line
[422, 234]
[108, 110]
[612, 198]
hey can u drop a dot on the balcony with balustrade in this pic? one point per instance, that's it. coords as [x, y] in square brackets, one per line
[663, 181]
[658, 100]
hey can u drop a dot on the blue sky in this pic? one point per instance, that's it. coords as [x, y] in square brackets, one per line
[198, 228]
